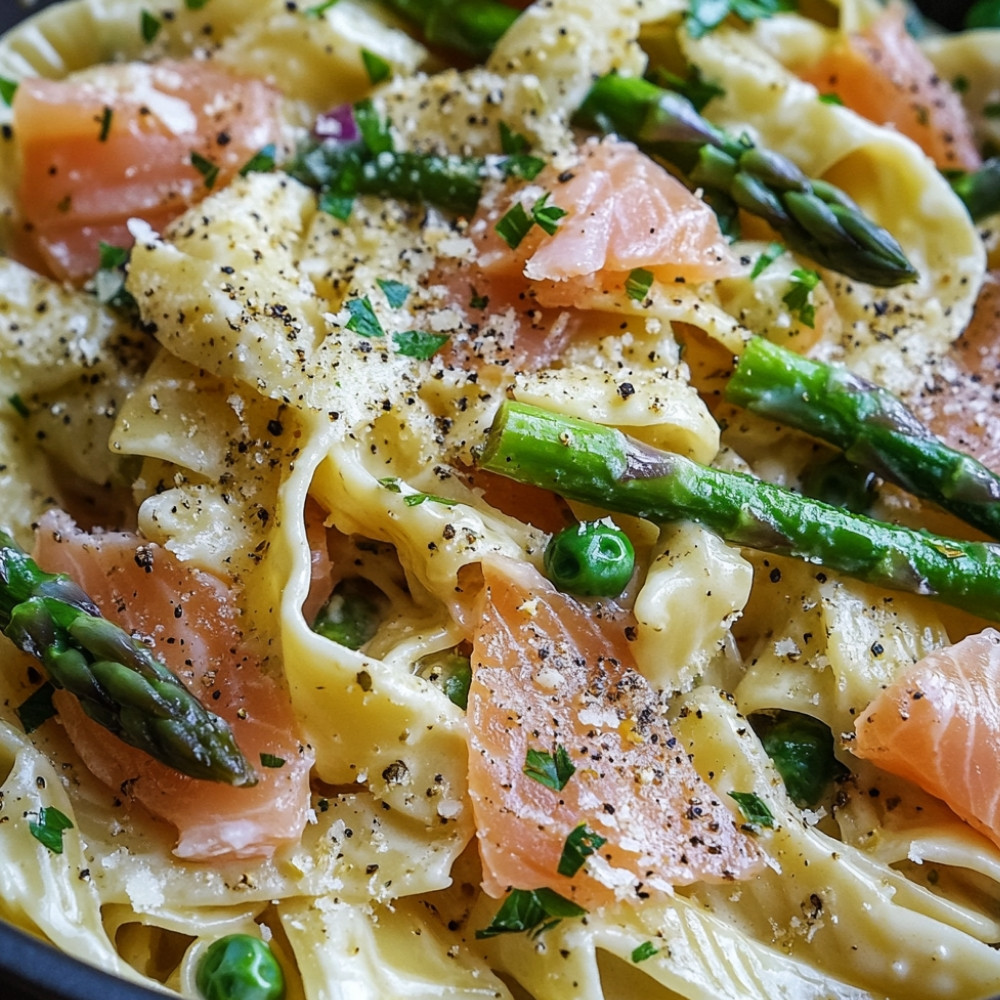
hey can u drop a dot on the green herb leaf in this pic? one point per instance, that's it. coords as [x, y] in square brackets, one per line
[208, 170]
[375, 66]
[8, 88]
[645, 950]
[831, 98]
[512, 142]
[419, 343]
[363, 319]
[48, 829]
[553, 771]
[270, 760]
[798, 298]
[514, 225]
[638, 283]
[534, 910]
[416, 499]
[18, 405]
[110, 256]
[391, 483]
[766, 259]
[755, 810]
[262, 162]
[37, 708]
[337, 204]
[109, 281]
[107, 116]
[395, 291]
[319, 9]
[547, 216]
[149, 25]
[704, 15]
[375, 132]
[477, 301]
[195, 4]
[580, 844]
[519, 162]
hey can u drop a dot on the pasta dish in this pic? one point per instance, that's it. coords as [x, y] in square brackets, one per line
[498, 499]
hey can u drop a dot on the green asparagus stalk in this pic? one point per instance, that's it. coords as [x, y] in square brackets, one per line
[599, 465]
[813, 217]
[471, 27]
[869, 424]
[978, 189]
[117, 680]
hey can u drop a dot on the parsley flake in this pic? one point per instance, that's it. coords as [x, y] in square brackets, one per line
[8, 88]
[798, 296]
[208, 170]
[262, 162]
[766, 259]
[109, 280]
[149, 25]
[514, 225]
[106, 118]
[48, 829]
[391, 483]
[755, 810]
[416, 499]
[270, 760]
[419, 343]
[477, 301]
[195, 4]
[18, 405]
[395, 291]
[375, 131]
[645, 950]
[519, 162]
[706, 15]
[319, 9]
[375, 66]
[547, 216]
[580, 844]
[638, 283]
[363, 320]
[37, 708]
[831, 98]
[551, 770]
[530, 910]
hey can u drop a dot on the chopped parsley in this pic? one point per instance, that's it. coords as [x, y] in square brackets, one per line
[551, 770]
[519, 162]
[149, 25]
[645, 950]
[580, 844]
[755, 810]
[338, 202]
[363, 320]
[18, 405]
[638, 283]
[831, 98]
[477, 301]
[37, 708]
[375, 66]
[530, 910]
[208, 170]
[418, 344]
[798, 298]
[270, 760]
[391, 483]
[49, 827]
[107, 116]
[395, 291]
[109, 281]
[706, 15]
[375, 133]
[262, 162]
[195, 4]
[416, 499]
[319, 9]
[547, 216]
[766, 259]
[8, 88]
[514, 225]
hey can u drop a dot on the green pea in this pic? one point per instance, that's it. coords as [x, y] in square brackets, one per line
[801, 748]
[592, 559]
[452, 671]
[240, 967]
[352, 614]
[985, 14]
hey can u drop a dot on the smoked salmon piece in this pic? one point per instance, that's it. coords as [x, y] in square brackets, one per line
[191, 619]
[555, 693]
[938, 725]
[883, 75]
[622, 211]
[143, 141]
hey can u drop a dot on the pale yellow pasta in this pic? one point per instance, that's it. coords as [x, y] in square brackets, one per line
[250, 418]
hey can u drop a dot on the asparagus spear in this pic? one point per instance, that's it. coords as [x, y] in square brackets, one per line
[872, 427]
[813, 217]
[118, 681]
[978, 189]
[601, 466]
[471, 27]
